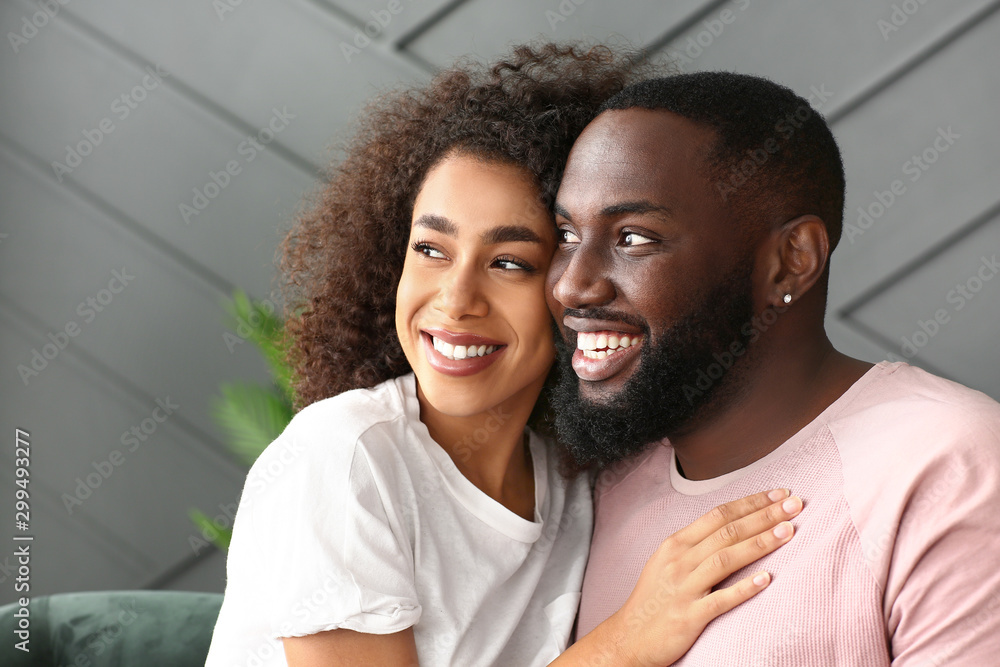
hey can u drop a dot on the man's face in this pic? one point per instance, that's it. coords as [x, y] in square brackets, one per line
[648, 255]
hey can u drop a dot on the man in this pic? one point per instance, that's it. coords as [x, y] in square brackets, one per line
[697, 214]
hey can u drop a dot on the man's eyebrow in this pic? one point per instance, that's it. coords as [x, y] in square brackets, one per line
[636, 207]
[437, 223]
[508, 234]
[561, 211]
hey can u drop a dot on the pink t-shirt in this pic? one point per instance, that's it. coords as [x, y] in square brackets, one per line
[896, 557]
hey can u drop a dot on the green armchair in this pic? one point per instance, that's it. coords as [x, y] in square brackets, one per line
[113, 629]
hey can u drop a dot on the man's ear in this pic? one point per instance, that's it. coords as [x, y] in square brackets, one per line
[796, 258]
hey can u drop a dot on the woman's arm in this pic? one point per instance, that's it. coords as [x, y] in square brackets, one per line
[347, 647]
[673, 600]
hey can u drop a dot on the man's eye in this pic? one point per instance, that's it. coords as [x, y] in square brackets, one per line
[632, 239]
[566, 236]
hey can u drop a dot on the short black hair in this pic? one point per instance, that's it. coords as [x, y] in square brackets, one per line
[774, 154]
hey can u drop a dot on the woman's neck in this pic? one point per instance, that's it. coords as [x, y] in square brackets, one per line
[490, 448]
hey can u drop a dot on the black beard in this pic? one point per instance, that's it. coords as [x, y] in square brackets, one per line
[666, 392]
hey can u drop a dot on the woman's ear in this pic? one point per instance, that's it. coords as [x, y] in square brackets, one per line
[796, 258]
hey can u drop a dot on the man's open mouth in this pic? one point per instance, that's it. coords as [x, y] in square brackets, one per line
[602, 344]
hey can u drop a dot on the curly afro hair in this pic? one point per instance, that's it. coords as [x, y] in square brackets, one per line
[343, 257]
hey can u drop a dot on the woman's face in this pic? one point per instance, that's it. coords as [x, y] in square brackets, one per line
[470, 307]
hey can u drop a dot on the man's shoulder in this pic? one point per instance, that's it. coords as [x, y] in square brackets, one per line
[905, 406]
[914, 435]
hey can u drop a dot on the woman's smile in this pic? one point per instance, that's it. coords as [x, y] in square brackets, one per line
[459, 354]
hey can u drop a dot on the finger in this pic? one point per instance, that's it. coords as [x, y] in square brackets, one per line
[723, 600]
[743, 529]
[723, 514]
[724, 562]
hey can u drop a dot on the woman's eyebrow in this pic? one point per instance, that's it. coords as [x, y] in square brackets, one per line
[508, 234]
[436, 223]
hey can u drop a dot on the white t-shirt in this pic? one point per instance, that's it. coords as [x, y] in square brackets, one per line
[355, 518]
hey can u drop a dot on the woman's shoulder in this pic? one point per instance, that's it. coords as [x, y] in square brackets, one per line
[323, 438]
[352, 412]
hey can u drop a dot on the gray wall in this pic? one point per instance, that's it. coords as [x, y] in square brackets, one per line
[892, 83]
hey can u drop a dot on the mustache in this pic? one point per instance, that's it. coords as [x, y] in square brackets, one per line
[609, 314]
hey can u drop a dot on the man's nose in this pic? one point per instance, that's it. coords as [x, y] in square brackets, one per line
[583, 282]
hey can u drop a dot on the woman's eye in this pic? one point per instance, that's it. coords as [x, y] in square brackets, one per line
[633, 239]
[566, 236]
[429, 251]
[512, 264]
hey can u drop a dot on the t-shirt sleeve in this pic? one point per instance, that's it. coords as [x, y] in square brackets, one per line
[317, 544]
[942, 593]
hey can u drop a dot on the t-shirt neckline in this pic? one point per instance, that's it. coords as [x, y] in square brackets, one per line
[485, 508]
[690, 487]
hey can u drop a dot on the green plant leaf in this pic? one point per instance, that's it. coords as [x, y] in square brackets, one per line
[220, 537]
[257, 321]
[251, 417]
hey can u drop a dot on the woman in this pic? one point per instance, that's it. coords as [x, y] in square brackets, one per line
[412, 518]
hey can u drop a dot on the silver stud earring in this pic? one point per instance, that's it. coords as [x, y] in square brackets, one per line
[787, 298]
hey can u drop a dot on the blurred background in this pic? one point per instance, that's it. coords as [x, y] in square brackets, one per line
[151, 154]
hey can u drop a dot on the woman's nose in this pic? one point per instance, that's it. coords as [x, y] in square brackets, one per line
[461, 295]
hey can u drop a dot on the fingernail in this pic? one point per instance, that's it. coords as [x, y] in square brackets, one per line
[777, 494]
[792, 505]
[783, 530]
[761, 579]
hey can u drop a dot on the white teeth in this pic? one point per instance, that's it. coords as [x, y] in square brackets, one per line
[604, 345]
[461, 351]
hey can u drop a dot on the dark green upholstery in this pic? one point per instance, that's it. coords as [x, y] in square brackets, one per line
[113, 628]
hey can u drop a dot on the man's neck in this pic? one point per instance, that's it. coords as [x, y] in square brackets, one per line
[779, 397]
